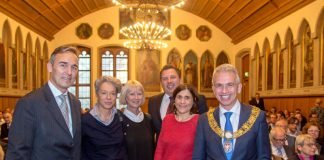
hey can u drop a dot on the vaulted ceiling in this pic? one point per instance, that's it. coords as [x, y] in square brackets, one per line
[239, 19]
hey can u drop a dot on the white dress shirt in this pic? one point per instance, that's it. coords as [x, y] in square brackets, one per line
[164, 105]
[235, 117]
[56, 94]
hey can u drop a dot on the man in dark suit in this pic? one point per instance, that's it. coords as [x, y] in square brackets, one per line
[158, 105]
[232, 130]
[278, 148]
[257, 101]
[5, 126]
[46, 122]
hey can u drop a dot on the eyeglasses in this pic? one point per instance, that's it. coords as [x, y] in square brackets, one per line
[280, 140]
[310, 144]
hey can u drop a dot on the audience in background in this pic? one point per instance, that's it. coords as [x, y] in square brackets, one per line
[292, 127]
[102, 132]
[138, 127]
[319, 110]
[278, 148]
[313, 129]
[305, 148]
[178, 130]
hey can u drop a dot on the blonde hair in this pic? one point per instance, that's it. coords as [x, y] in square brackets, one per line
[108, 79]
[130, 85]
[301, 139]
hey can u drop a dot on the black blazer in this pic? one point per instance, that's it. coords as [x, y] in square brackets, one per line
[4, 131]
[255, 103]
[154, 105]
[38, 130]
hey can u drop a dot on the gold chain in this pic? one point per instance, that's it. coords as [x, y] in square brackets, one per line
[245, 128]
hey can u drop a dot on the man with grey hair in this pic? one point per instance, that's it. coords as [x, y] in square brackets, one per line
[46, 122]
[232, 130]
[278, 148]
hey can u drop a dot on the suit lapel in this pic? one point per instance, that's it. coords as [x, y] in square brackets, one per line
[53, 107]
[159, 103]
[219, 139]
[244, 115]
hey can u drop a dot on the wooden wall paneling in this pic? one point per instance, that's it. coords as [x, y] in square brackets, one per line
[79, 4]
[198, 8]
[291, 103]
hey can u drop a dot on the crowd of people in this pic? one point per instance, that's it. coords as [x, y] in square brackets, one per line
[48, 124]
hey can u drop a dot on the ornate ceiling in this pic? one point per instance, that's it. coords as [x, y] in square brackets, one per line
[239, 19]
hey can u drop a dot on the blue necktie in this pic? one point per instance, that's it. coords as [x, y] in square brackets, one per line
[228, 138]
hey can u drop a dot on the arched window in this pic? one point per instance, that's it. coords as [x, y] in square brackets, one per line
[82, 89]
[114, 62]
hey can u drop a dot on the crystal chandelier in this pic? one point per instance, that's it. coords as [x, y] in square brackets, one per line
[145, 33]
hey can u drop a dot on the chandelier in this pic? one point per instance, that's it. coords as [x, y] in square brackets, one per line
[146, 32]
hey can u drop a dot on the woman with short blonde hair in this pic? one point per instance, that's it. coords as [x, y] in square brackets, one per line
[138, 130]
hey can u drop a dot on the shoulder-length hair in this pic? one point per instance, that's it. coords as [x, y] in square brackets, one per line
[194, 94]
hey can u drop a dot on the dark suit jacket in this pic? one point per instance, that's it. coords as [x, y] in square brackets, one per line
[154, 105]
[316, 157]
[290, 152]
[254, 102]
[38, 130]
[4, 131]
[291, 140]
[254, 144]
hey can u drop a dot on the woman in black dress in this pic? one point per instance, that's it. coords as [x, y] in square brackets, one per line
[102, 132]
[138, 128]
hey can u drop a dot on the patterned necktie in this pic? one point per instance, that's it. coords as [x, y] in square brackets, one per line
[280, 154]
[228, 136]
[171, 105]
[64, 109]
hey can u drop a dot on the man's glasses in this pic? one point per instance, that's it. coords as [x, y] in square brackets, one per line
[280, 140]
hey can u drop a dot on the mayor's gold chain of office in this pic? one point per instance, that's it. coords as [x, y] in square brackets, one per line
[246, 126]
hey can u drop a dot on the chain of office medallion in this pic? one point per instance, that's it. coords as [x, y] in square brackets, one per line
[245, 128]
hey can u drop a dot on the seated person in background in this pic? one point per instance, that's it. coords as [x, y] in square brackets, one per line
[302, 120]
[292, 127]
[278, 148]
[5, 127]
[305, 148]
[313, 129]
[282, 123]
[280, 115]
[257, 101]
[273, 110]
[272, 121]
[319, 110]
